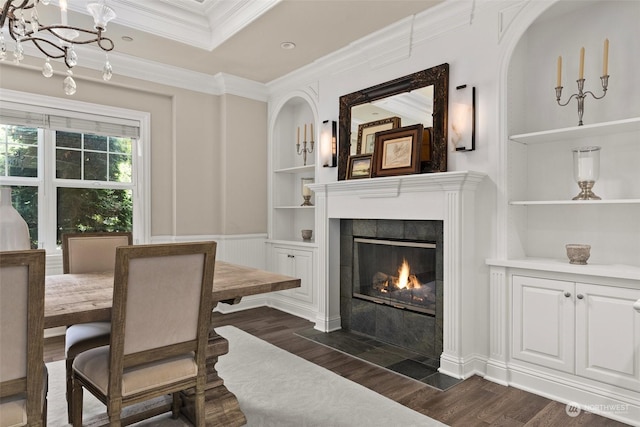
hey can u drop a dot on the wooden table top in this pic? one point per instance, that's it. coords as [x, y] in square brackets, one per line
[79, 298]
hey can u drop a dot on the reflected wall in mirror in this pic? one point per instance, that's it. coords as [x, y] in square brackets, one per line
[419, 98]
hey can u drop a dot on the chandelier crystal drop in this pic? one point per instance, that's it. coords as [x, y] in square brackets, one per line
[69, 84]
[55, 41]
[47, 69]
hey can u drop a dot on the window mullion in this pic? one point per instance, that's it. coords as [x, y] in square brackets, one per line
[48, 200]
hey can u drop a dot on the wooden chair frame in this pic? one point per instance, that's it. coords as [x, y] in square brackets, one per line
[119, 361]
[33, 384]
[92, 339]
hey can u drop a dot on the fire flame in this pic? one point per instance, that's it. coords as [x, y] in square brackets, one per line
[405, 279]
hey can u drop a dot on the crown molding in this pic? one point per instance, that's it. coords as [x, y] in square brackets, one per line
[203, 25]
[386, 46]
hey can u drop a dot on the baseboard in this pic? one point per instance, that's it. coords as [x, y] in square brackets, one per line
[587, 395]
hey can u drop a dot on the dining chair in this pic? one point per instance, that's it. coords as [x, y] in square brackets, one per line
[23, 377]
[88, 253]
[162, 303]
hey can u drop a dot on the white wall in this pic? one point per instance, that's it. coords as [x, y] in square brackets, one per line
[478, 39]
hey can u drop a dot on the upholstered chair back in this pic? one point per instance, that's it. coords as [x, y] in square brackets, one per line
[162, 299]
[22, 380]
[92, 252]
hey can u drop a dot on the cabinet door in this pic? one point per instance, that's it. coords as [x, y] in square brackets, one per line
[543, 322]
[296, 263]
[608, 335]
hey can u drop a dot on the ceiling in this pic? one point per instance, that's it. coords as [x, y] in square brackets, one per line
[240, 37]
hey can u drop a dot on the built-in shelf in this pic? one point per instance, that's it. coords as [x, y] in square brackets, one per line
[296, 169]
[575, 202]
[574, 132]
[618, 271]
[294, 242]
[294, 207]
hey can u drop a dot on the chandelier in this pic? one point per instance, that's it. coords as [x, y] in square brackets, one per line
[57, 41]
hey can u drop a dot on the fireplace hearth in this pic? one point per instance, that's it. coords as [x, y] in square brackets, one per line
[391, 282]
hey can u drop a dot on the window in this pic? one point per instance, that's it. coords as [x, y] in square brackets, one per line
[71, 171]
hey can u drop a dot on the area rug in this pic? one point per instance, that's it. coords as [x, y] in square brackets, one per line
[274, 388]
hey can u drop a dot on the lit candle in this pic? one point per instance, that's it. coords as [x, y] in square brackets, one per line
[305, 132]
[581, 71]
[63, 12]
[559, 80]
[311, 131]
[605, 58]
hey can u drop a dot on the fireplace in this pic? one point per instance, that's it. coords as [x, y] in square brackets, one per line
[398, 273]
[391, 282]
[445, 202]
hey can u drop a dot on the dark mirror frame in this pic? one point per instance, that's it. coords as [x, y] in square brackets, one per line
[437, 76]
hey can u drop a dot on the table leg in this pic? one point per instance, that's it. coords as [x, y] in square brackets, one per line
[222, 407]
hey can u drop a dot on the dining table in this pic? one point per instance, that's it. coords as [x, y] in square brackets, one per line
[80, 298]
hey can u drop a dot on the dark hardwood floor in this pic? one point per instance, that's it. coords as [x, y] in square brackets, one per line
[473, 402]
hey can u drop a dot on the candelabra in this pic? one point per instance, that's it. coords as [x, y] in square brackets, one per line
[304, 151]
[581, 95]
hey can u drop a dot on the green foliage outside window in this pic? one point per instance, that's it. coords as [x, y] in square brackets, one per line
[82, 157]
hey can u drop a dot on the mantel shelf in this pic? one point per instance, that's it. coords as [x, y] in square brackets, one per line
[296, 169]
[574, 202]
[574, 132]
[618, 271]
[392, 186]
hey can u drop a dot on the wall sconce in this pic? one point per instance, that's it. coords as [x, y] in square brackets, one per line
[462, 120]
[329, 144]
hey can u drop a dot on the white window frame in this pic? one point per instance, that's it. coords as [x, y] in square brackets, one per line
[141, 179]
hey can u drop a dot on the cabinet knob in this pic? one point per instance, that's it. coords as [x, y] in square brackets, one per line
[579, 296]
[567, 294]
[291, 256]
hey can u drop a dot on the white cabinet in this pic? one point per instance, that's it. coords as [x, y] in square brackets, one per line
[295, 262]
[543, 322]
[589, 330]
[608, 335]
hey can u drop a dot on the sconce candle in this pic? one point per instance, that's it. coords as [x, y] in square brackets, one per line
[581, 71]
[63, 12]
[605, 58]
[559, 79]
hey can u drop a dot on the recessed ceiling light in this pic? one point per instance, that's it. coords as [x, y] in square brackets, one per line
[127, 38]
[288, 45]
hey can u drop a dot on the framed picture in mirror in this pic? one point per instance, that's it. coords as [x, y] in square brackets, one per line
[359, 166]
[367, 133]
[397, 151]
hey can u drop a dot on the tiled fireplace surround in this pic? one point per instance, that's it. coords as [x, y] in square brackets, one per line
[448, 197]
[414, 331]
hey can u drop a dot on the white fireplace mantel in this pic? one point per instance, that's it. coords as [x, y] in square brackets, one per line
[446, 196]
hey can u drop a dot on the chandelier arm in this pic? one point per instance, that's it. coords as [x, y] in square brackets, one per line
[97, 36]
[5, 13]
[37, 40]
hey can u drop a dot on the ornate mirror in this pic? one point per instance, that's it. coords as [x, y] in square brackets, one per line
[420, 97]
